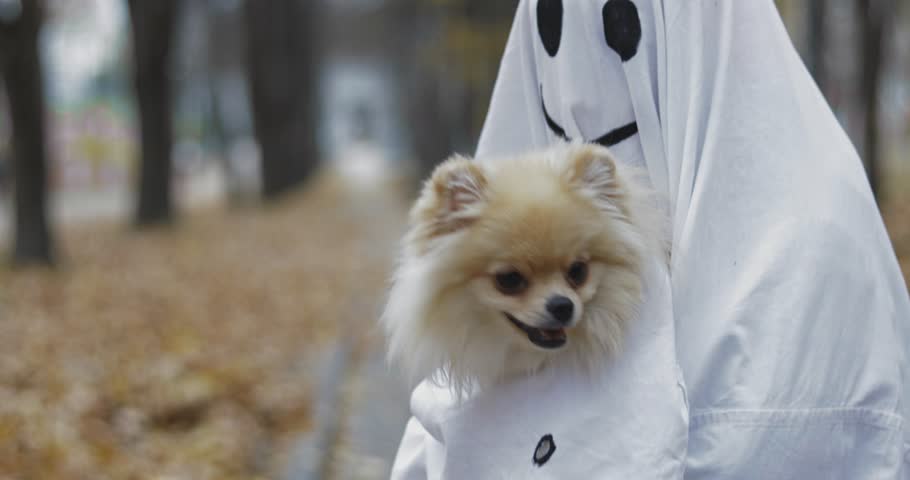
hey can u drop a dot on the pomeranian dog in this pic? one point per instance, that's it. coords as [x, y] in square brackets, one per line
[516, 264]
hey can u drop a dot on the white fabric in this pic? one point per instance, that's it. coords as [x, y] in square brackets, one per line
[598, 425]
[791, 318]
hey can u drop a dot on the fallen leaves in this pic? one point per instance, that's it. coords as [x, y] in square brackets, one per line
[184, 353]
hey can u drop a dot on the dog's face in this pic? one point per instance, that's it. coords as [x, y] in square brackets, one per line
[539, 302]
[525, 258]
[546, 233]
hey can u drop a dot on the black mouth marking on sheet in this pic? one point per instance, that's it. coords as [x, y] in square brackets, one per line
[608, 139]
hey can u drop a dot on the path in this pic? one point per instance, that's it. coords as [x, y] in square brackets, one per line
[362, 406]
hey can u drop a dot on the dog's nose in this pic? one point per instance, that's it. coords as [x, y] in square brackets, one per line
[560, 308]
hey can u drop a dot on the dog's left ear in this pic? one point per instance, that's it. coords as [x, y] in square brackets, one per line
[592, 172]
[452, 197]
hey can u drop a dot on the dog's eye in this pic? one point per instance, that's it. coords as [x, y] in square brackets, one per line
[577, 274]
[510, 283]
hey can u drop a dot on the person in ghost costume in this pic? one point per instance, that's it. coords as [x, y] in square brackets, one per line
[775, 344]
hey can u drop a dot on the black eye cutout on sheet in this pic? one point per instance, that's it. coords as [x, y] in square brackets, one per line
[622, 27]
[549, 24]
[622, 33]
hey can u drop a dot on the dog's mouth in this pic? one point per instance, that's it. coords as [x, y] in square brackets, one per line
[548, 338]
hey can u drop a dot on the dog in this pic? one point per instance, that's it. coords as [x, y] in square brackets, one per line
[513, 265]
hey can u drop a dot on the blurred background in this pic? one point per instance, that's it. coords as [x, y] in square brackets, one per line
[200, 201]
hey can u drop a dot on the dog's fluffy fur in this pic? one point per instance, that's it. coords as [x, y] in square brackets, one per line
[535, 216]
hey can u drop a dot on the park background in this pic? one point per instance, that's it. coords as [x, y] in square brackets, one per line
[201, 303]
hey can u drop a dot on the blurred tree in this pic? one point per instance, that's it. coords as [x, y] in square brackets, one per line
[153, 24]
[228, 84]
[458, 50]
[818, 42]
[282, 68]
[20, 22]
[873, 17]
[431, 88]
[216, 39]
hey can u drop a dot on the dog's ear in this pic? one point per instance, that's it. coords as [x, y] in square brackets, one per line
[452, 198]
[591, 171]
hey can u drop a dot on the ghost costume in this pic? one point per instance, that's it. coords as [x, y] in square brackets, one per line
[774, 346]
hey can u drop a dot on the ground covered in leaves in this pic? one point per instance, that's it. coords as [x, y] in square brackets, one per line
[183, 353]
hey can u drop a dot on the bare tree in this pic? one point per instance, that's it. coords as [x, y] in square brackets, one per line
[874, 15]
[22, 74]
[281, 60]
[449, 84]
[433, 128]
[818, 42]
[153, 24]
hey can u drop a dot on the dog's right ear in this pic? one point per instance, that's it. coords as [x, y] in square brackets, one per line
[592, 171]
[452, 198]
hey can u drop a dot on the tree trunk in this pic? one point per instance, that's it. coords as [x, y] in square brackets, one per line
[153, 23]
[22, 75]
[873, 16]
[432, 132]
[818, 42]
[281, 57]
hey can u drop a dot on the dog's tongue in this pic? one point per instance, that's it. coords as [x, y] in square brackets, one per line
[558, 334]
[547, 338]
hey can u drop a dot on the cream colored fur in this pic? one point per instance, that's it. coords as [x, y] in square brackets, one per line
[536, 213]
